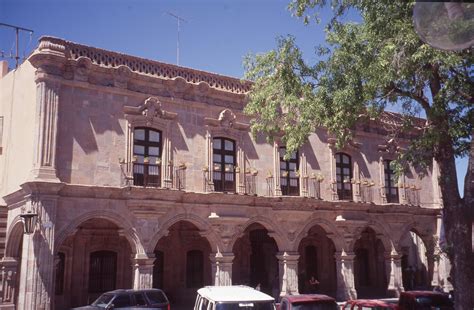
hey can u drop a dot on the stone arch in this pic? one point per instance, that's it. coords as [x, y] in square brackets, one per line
[15, 238]
[269, 225]
[330, 229]
[203, 226]
[380, 231]
[129, 232]
[414, 226]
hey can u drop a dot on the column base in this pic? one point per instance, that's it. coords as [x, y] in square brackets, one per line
[44, 174]
[7, 306]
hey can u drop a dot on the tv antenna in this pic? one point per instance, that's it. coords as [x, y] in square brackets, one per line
[17, 35]
[179, 19]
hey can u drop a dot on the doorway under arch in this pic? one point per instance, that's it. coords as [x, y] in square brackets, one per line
[369, 266]
[317, 260]
[182, 263]
[95, 259]
[255, 262]
[415, 268]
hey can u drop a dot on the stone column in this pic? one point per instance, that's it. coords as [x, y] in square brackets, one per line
[288, 271]
[222, 268]
[393, 263]
[143, 271]
[9, 285]
[47, 98]
[345, 276]
[37, 262]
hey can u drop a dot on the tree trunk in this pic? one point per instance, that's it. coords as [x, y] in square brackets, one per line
[457, 223]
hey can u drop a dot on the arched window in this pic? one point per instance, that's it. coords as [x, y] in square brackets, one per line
[194, 269]
[147, 157]
[224, 161]
[344, 176]
[391, 189]
[102, 271]
[60, 268]
[289, 180]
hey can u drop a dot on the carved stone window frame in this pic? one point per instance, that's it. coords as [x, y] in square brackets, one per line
[302, 170]
[150, 114]
[388, 151]
[352, 148]
[225, 125]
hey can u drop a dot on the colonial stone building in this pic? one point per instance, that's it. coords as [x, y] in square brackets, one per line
[143, 174]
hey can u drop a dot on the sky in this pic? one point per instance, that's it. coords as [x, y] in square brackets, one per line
[216, 36]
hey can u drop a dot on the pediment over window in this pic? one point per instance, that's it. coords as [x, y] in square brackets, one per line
[150, 110]
[226, 119]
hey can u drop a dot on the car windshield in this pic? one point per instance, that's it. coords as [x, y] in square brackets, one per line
[103, 300]
[246, 305]
[320, 305]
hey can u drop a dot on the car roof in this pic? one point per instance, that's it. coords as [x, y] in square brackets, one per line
[234, 293]
[308, 298]
[134, 291]
[370, 303]
[424, 293]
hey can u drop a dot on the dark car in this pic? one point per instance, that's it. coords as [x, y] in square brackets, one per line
[421, 300]
[368, 304]
[307, 302]
[131, 299]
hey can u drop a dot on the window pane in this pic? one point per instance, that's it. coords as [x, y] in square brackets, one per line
[284, 181]
[347, 171]
[345, 159]
[154, 136]
[338, 158]
[139, 300]
[217, 144]
[154, 151]
[292, 166]
[229, 159]
[229, 145]
[122, 301]
[282, 152]
[293, 155]
[138, 149]
[283, 165]
[156, 297]
[216, 158]
[139, 134]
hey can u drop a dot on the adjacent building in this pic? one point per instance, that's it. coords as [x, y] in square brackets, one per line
[143, 174]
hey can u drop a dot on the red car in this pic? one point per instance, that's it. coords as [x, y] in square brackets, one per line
[307, 302]
[421, 300]
[368, 304]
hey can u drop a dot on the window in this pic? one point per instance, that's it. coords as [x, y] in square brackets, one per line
[102, 271]
[391, 189]
[140, 299]
[194, 269]
[289, 179]
[60, 267]
[224, 161]
[147, 157]
[344, 176]
[122, 301]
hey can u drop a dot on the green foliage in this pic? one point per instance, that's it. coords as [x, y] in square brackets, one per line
[363, 69]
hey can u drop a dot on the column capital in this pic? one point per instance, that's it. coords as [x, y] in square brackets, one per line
[143, 259]
[288, 256]
[219, 257]
[344, 256]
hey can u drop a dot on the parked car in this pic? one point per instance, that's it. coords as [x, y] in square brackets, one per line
[232, 298]
[307, 302]
[131, 299]
[369, 304]
[421, 300]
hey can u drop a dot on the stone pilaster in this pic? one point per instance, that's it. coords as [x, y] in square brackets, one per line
[37, 262]
[143, 271]
[401, 190]
[304, 192]
[9, 285]
[332, 166]
[240, 172]
[393, 263]
[345, 276]
[47, 99]
[276, 169]
[383, 196]
[288, 271]
[222, 268]
[167, 162]
[210, 164]
[355, 183]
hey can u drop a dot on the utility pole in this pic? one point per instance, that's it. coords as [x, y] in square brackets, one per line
[179, 19]
[17, 35]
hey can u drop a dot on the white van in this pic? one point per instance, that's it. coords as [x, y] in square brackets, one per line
[233, 298]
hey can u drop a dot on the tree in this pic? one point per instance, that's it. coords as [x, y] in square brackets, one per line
[363, 69]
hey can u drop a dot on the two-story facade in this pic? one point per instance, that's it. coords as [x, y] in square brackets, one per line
[144, 174]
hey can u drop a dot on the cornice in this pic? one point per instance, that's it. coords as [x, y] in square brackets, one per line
[77, 61]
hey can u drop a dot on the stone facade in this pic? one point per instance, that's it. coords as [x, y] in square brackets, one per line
[74, 117]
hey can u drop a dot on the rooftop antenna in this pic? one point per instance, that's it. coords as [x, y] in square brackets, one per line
[179, 19]
[17, 35]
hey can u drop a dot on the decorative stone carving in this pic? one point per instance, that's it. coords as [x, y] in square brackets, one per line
[83, 66]
[121, 76]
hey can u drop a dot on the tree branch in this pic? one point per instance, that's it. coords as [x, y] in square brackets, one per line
[417, 97]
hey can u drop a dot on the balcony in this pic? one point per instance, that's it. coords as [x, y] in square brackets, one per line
[145, 174]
